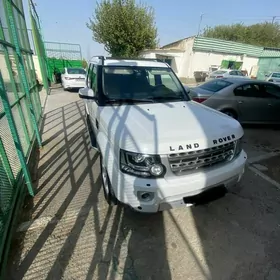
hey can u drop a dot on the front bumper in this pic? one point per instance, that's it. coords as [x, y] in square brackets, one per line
[169, 192]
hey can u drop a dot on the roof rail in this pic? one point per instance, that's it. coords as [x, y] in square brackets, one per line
[131, 58]
[102, 58]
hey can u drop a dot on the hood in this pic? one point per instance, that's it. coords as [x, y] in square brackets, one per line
[163, 128]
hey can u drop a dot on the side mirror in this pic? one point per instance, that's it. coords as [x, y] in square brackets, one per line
[87, 93]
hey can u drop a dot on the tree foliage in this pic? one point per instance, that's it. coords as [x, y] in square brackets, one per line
[84, 63]
[124, 27]
[261, 34]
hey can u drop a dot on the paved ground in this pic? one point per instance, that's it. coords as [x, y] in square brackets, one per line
[73, 234]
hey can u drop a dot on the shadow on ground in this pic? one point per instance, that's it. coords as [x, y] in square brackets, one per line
[72, 233]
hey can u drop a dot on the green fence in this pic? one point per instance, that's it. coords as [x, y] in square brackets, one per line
[268, 65]
[20, 115]
[62, 55]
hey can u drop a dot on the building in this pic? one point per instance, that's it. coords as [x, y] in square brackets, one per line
[191, 58]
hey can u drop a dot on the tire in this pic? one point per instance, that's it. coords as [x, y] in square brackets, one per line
[230, 113]
[106, 184]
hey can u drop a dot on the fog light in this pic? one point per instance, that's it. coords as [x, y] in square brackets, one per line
[156, 169]
[146, 196]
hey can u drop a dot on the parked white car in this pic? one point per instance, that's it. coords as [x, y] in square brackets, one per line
[73, 78]
[273, 77]
[225, 73]
[158, 149]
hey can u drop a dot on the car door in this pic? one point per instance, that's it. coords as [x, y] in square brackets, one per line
[273, 96]
[252, 103]
[91, 83]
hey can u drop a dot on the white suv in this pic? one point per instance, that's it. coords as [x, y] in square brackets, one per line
[158, 149]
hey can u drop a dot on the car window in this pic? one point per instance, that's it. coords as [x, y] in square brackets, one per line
[122, 82]
[219, 72]
[233, 73]
[249, 90]
[76, 71]
[91, 77]
[164, 79]
[215, 85]
[239, 73]
[272, 91]
[275, 75]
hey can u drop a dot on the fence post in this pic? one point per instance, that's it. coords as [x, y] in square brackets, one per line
[21, 69]
[11, 122]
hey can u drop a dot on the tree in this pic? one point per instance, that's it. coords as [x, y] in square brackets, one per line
[124, 27]
[84, 63]
[261, 34]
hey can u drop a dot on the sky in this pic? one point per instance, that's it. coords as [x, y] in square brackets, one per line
[65, 20]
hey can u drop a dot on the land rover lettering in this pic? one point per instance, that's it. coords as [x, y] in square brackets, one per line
[224, 139]
[184, 147]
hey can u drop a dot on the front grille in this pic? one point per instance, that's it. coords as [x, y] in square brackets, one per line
[181, 162]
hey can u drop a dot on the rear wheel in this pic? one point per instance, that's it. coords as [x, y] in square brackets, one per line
[106, 184]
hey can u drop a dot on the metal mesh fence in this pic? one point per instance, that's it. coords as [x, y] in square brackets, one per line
[20, 112]
[63, 51]
[39, 45]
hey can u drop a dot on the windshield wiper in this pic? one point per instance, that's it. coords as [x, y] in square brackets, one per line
[132, 100]
[169, 98]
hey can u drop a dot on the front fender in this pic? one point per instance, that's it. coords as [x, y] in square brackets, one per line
[107, 151]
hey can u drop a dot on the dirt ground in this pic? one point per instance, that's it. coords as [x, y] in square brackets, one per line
[69, 232]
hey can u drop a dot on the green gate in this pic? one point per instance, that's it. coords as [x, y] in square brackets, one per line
[20, 116]
[268, 65]
[60, 55]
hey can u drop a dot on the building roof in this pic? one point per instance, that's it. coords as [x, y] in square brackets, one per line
[270, 52]
[223, 46]
[176, 42]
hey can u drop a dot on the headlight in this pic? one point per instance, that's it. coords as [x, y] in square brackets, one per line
[141, 165]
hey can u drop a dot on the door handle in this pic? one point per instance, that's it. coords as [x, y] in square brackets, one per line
[240, 102]
[269, 105]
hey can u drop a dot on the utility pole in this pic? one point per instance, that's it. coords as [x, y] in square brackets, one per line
[198, 32]
[273, 19]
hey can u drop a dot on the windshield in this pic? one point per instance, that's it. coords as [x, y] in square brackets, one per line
[76, 71]
[276, 75]
[141, 83]
[215, 85]
[219, 72]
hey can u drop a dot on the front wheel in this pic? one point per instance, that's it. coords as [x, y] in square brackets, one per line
[106, 184]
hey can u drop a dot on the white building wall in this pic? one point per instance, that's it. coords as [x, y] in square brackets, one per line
[149, 55]
[186, 59]
[202, 61]
[176, 62]
[249, 63]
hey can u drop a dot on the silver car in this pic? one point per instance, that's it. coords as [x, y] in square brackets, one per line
[249, 101]
[273, 77]
[225, 73]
